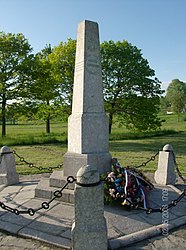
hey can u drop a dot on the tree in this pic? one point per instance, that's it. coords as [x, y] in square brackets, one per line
[176, 95]
[21, 110]
[53, 85]
[63, 60]
[44, 88]
[15, 67]
[164, 104]
[131, 89]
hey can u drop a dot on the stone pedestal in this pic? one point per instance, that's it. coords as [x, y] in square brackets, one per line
[89, 230]
[72, 161]
[8, 175]
[165, 174]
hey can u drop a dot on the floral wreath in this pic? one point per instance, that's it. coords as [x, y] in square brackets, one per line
[128, 186]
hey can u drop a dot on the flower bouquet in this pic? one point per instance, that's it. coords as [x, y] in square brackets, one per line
[128, 186]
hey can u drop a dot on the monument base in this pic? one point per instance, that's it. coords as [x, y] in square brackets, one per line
[45, 191]
[73, 162]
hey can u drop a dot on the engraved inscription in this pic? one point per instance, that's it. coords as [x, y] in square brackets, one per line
[79, 66]
[92, 63]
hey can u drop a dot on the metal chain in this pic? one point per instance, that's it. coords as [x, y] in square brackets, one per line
[4, 153]
[145, 163]
[71, 179]
[177, 168]
[174, 202]
[160, 210]
[59, 193]
[171, 204]
[31, 165]
[44, 205]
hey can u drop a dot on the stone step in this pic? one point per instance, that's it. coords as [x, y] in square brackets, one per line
[45, 191]
[57, 179]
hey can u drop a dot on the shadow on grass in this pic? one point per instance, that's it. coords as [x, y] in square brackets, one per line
[152, 144]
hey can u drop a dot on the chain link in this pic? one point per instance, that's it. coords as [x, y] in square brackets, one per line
[71, 179]
[145, 163]
[177, 168]
[174, 202]
[160, 209]
[44, 205]
[31, 165]
[170, 205]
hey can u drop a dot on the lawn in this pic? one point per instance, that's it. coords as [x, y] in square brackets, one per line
[132, 149]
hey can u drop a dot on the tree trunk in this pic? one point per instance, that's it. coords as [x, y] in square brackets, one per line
[3, 116]
[48, 126]
[110, 122]
[48, 119]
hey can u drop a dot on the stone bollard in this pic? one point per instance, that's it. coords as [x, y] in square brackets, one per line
[89, 230]
[8, 175]
[165, 174]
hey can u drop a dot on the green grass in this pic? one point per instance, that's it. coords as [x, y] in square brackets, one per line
[131, 149]
[49, 155]
[135, 152]
[30, 134]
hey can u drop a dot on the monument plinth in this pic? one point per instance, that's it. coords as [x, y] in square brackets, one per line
[88, 131]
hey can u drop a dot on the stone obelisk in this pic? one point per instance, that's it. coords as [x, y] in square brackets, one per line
[88, 132]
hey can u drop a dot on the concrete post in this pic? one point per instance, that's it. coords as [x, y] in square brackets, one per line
[8, 175]
[165, 174]
[89, 230]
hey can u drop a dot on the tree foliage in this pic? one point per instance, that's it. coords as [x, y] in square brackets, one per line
[53, 81]
[63, 61]
[44, 89]
[43, 83]
[131, 89]
[15, 67]
[176, 95]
